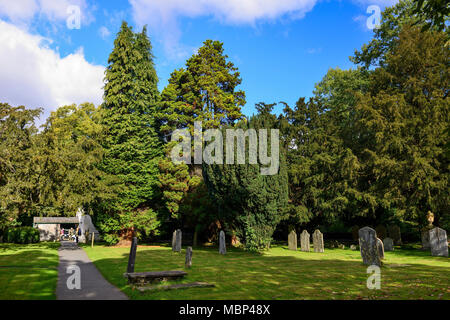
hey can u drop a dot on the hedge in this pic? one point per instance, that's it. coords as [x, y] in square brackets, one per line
[22, 235]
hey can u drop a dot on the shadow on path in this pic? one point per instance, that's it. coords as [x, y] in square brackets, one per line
[93, 285]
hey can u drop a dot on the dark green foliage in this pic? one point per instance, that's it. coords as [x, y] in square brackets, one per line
[22, 235]
[250, 204]
[69, 153]
[132, 146]
[435, 12]
[17, 155]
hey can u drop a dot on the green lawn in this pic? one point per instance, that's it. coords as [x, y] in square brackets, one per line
[28, 271]
[282, 274]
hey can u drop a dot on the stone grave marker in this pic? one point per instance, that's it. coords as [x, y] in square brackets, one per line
[222, 244]
[177, 242]
[438, 242]
[292, 240]
[305, 241]
[188, 262]
[132, 256]
[368, 246]
[318, 241]
[388, 244]
[174, 240]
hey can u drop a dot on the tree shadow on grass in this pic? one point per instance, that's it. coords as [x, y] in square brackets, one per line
[243, 275]
[28, 274]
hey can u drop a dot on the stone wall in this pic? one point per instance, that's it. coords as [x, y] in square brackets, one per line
[48, 232]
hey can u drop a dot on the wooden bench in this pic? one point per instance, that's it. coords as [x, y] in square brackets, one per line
[140, 278]
[176, 286]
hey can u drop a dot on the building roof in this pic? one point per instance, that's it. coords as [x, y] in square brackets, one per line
[55, 220]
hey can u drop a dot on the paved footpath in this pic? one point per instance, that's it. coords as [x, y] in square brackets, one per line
[93, 285]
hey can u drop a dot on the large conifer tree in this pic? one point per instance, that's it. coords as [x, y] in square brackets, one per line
[132, 147]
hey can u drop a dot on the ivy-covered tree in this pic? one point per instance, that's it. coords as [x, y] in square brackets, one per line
[132, 145]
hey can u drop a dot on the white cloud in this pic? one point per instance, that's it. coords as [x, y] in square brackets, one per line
[104, 32]
[23, 11]
[34, 75]
[161, 15]
[381, 3]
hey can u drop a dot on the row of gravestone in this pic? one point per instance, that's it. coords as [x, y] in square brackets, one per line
[177, 239]
[305, 238]
[372, 248]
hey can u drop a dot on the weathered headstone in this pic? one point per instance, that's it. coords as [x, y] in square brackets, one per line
[438, 242]
[188, 262]
[388, 244]
[368, 246]
[222, 244]
[176, 241]
[380, 248]
[381, 231]
[353, 247]
[132, 256]
[395, 234]
[341, 246]
[318, 241]
[292, 240]
[305, 241]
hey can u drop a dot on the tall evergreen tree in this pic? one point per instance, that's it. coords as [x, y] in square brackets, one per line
[206, 91]
[250, 204]
[132, 146]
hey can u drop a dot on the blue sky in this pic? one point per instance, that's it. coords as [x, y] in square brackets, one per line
[281, 47]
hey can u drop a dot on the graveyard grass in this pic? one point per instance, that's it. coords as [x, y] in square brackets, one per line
[281, 273]
[28, 272]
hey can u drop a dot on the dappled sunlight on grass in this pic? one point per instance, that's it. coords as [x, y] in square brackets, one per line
[282, 274]
[28, 271]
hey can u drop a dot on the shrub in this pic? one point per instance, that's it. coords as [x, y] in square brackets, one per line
[22, 235]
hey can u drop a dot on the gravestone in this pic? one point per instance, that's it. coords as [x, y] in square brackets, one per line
[132, 256]
[188, 262]
[318, 241]
[341, 246]
[353, 247]
[380, 248]
[222, 244]
[388, 244]
[438, 242]
[292, 240]
[305, 241]
[395, 234]
[368, 246]
[381, 231]
[176, 241]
